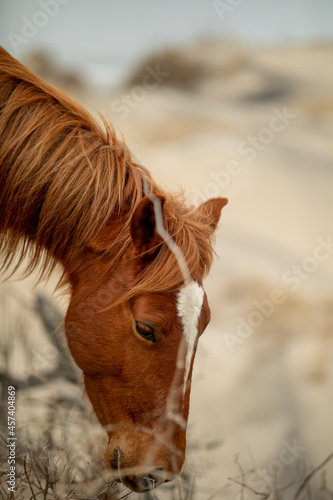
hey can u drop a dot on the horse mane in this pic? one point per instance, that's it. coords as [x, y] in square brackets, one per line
[64, 176]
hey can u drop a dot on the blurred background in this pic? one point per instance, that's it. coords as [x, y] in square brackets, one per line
[224, 98]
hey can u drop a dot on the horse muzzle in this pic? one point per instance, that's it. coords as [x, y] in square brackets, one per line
[142, 476]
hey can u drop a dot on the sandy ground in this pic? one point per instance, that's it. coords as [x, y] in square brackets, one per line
[256, 127]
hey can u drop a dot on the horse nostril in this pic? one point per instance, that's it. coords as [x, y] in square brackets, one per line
[114, 460]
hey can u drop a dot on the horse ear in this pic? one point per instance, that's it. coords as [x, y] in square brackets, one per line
[212, 210]
[143, 225]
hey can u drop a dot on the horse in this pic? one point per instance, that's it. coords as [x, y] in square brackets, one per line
[71, 195]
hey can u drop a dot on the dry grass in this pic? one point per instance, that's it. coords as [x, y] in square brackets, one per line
[60, 443]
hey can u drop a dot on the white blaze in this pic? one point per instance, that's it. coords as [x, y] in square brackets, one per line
[189, 305]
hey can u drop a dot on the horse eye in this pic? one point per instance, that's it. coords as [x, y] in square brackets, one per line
[146, 331]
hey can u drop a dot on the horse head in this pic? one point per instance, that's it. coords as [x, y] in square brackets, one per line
[136, 350]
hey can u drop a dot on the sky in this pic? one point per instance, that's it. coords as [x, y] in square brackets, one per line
[120, 32]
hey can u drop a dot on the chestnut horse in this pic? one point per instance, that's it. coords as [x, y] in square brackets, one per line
[71, 194]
